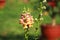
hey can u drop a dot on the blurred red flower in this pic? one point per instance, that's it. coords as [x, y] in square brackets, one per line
[52, 4]
[2, 3]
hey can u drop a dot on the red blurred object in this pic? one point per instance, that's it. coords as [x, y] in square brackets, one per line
[2, 3]
[59, 30]
[52, 4]
[51, 32]
[26, 1]
[52, 39]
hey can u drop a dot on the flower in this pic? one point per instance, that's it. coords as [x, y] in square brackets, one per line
[36, 19]
[44, 7]
[2, 4]
[41, 14]
[44, 1]
[26, 20]
[52, 4]
[41, 18]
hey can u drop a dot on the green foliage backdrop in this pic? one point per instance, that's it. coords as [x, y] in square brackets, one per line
[9, 17]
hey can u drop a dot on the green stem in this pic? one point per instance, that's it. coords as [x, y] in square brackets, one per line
[41, 5]
[36, 31]
[39, 22]
[26, 33]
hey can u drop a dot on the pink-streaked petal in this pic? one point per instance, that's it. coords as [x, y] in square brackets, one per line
[21, 21]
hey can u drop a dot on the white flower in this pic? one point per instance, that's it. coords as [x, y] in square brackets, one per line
[44, 7]
[41, 18]
[41, 14]
[36, 19]
[44, 1]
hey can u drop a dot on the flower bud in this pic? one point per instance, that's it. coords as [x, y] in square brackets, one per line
[41, 18]
[36, 19]
[44, 1]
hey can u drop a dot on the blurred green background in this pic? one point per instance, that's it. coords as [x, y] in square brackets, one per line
[10, 29]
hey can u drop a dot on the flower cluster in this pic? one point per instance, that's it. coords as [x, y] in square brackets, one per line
[26, 20]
